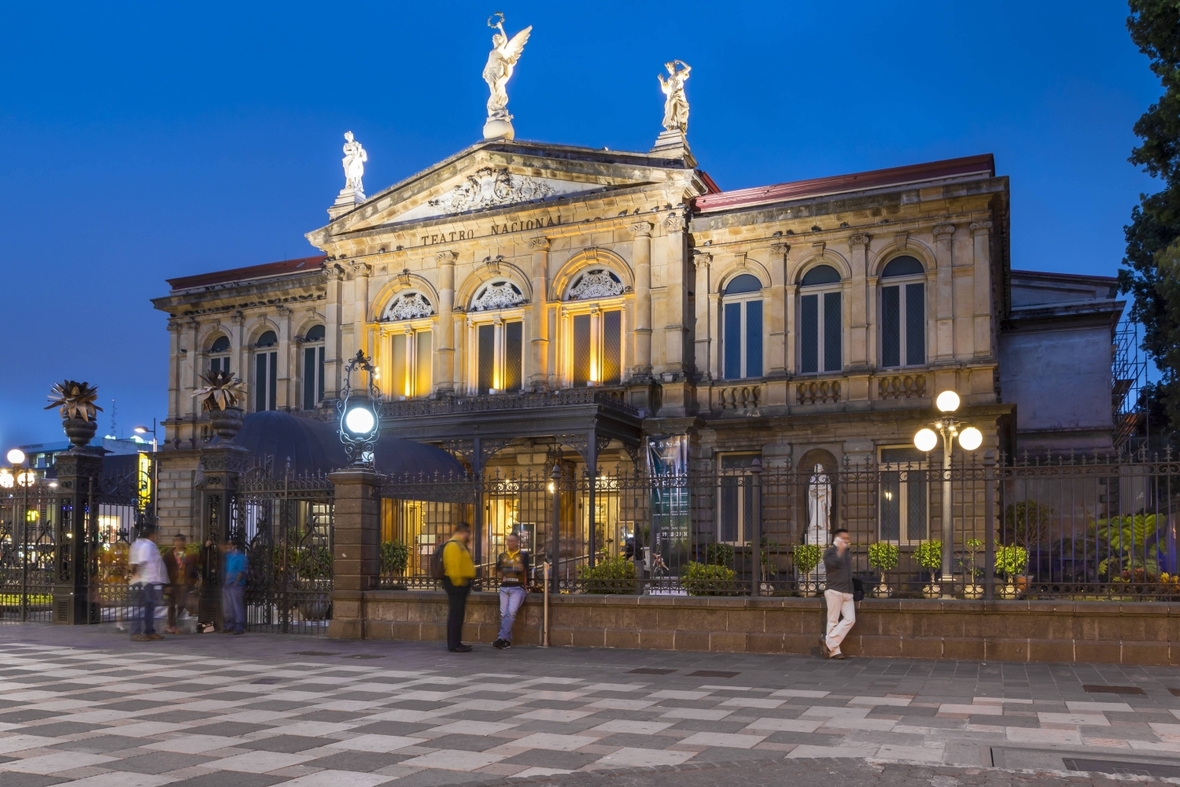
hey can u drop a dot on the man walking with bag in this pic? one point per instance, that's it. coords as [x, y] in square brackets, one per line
[513, 569]
[453, 565]
[838, 596]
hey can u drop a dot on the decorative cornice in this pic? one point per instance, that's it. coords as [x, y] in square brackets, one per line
[859, 239]
[642, 229]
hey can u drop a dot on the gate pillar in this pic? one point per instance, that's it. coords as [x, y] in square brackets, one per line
[78, 470]
[217, 481]
[355, 548]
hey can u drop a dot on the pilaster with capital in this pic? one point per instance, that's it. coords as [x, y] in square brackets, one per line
[174, 380]
[641, 258]
[537, 327]
[444, 357]
[944, 254]
[776, 315]
[858, 303]
[704, 326]
[984, 319]
[676, 302]
[333, 366]
[284, 395]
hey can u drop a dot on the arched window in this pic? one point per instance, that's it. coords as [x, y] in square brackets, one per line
[903, 313]
[595, 327]
[498, 340]
[408, 305]
[821, 329]
[219, 355]
[266, 372]
[741, 328]
[313, 367]
[411, 355]
[595, 283]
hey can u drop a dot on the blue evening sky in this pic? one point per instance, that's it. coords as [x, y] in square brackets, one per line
[145, 141]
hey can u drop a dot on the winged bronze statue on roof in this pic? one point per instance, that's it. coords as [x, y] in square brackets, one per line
[501, 63]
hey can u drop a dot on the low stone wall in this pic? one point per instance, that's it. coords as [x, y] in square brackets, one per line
[1048, 631]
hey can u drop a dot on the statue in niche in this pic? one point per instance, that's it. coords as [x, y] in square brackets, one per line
[354, 164]
[675, 103]
[501, 62]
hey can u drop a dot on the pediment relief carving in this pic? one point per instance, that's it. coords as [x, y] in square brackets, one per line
[491, 187]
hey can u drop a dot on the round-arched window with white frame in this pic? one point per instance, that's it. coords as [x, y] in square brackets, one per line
[821, 327]
[219, 355]
[903, 313]
[741, 328]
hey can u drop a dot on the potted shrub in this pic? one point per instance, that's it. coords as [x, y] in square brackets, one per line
[972, 589]
[1011, 561]
[807, 557]
[883, 556]
[394, 558]
[615, 575]
[929, 556]
[702, 579]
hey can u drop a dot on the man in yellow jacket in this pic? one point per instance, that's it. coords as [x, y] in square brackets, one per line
[458, 571]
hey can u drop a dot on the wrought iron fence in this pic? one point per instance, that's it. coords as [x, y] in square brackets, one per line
[1085, 528]
[28, 519]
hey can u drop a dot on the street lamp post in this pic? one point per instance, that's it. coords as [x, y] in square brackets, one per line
[155, 471]
[926, 440]
[24, 479]
[359, 413]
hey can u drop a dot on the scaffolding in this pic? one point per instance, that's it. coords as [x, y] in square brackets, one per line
[1132, 428]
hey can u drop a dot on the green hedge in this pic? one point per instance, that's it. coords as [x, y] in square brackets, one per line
[611, 576]
[701, 579]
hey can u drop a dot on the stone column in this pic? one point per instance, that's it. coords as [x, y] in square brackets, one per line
[538, 324]
[704, 328]
[333, 365]
[641, 253]
[76, 528]
[858, 305]
[191, 370]
[217, 480]
[444, 370]
[981, 247]
[675, 304]
[175, 386]
[792, 327]
[776, 313]
[360, 308]
[287, 363]
[356, 542]
[944, 347]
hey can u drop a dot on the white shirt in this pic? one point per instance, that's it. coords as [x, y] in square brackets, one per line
[146, 555]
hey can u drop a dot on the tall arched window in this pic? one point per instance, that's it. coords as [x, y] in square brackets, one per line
[266, 372]
[411, 343]
[497, 337]
[596, 327]
[903, 313]
[821, 330]
[313, 367]
[741, 328]
[219, 355]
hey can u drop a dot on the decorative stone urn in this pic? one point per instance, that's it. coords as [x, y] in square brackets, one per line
[226, 423]
[79, 430]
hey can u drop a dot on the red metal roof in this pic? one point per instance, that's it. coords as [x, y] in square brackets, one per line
[283, 268]
[984, 165]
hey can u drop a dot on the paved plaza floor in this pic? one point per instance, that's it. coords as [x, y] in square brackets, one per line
[87, 707]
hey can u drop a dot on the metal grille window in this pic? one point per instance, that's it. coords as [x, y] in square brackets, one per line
[741, 328]
[499, 350]
[821, 333]
[597, 356]
[903, 314]
[904, 513]
[266, 373]
[313, 367]
[219, 355]
[411, 361]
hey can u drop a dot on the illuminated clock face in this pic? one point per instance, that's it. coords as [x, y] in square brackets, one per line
[359, 421]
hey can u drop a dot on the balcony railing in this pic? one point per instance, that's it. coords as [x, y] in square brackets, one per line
[608, 398]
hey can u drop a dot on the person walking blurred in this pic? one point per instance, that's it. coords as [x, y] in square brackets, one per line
[233, 589]
[458, 571]
[148, 575]
[182, 576]
[513, 569]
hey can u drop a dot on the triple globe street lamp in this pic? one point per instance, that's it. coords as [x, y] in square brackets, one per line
[926, 440]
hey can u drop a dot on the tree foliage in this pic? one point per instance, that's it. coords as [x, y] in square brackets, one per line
[1153, 236]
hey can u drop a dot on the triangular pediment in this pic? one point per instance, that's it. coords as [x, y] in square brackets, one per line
[493, 176]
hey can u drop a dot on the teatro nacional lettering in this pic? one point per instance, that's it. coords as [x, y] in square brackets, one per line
[519, 225]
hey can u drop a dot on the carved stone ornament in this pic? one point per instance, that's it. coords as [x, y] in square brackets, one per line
[674, 222]
[497, 295]
[641, 229]
[488, 188]
[595, 283]
[780, 249]
[980, 226]
[540, 243]
[409, 305]
[701, 259]
[859, 239]
[404, 277]
[944, 231]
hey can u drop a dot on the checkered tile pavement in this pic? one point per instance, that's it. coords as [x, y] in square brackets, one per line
[124, 718]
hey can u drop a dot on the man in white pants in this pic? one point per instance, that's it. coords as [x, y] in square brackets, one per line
[838, 596]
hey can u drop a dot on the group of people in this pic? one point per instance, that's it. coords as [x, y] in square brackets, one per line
[457, 572]
[176, 574]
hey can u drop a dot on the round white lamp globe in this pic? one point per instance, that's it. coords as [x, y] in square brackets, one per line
[947, 402]
[359, 420]
[970, 438]
[6, 479]
[926, 439]
[16, 457]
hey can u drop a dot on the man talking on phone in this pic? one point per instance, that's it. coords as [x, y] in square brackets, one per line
[838, 595]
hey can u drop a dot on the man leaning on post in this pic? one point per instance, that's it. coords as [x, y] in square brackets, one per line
[838, 595]
[458, 571]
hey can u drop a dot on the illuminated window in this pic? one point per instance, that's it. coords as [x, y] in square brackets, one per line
[499, 349]
[820, 323]
[903, 510]
[266, 374]
[597, 347]
[219, 355]
[411, 354]
[741, 328]
[903, 313]
[313, 367]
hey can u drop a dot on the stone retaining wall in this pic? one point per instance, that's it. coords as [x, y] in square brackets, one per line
[1048, 631]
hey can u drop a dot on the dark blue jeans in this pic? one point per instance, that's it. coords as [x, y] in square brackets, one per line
[149, 598]
[233, 607]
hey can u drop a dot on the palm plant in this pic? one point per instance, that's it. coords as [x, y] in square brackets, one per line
[222, 390]
[74, 400]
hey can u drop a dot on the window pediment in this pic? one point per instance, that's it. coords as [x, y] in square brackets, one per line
[408, 305]
[501, 294]
[595, 283]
